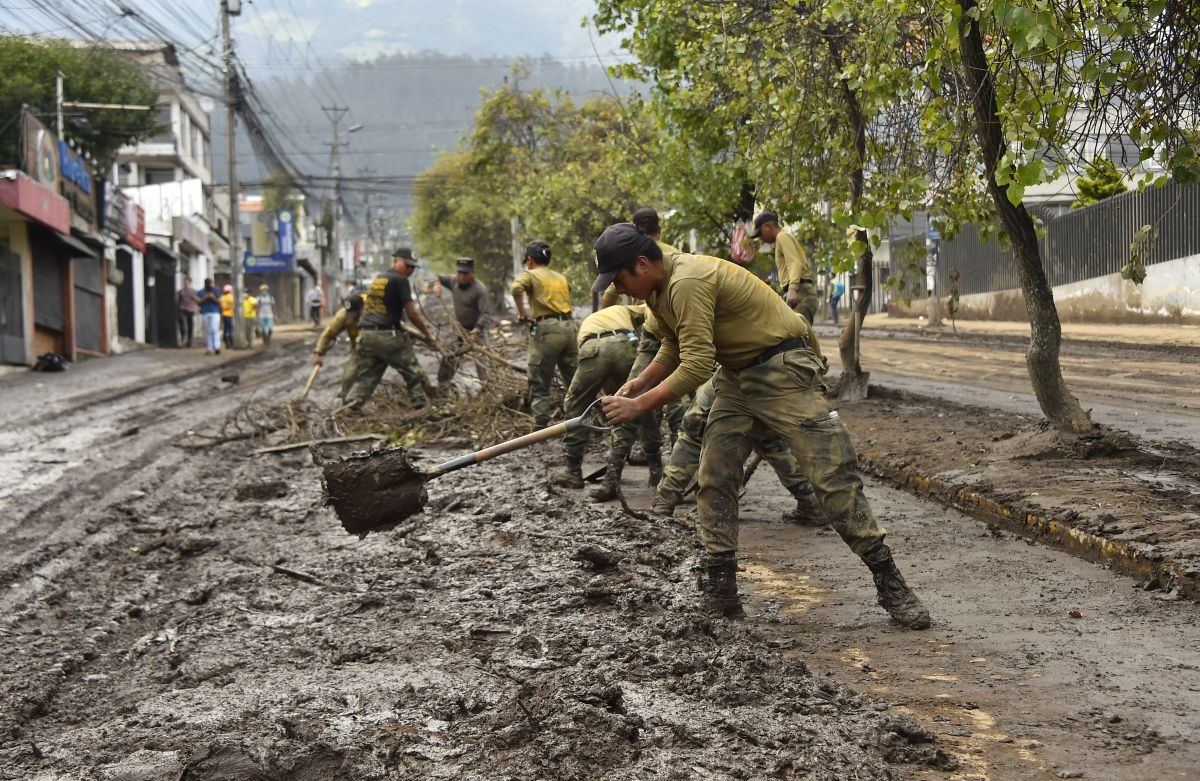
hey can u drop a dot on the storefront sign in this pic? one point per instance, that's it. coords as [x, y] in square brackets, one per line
[39, 152]
[272, 243]
[135, 226]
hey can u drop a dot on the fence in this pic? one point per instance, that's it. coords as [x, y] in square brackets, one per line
[1076, 245]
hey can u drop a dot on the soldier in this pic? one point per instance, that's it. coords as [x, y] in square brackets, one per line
[607, 346]
[552, 331]
[711, 312]
[383, 342]
[685, 459]
[345, 320]
[472, 310]
[796, 279]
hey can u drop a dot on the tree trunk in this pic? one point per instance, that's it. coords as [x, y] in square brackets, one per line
[853, 384]
[1045, 333]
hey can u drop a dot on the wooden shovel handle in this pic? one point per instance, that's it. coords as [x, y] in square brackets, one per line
[541, 435]
[308, 385]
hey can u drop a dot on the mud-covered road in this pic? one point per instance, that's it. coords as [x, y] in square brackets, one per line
[171, 613]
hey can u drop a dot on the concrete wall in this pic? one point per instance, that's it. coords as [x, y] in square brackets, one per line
[1170, 294]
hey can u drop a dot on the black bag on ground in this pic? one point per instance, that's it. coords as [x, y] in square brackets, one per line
[50, 362]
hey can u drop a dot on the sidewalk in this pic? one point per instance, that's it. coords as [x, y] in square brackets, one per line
[1149, 335]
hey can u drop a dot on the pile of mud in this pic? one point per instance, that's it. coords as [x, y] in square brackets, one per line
[506, 632]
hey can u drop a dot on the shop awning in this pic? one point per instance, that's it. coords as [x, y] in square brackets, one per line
[77, 245]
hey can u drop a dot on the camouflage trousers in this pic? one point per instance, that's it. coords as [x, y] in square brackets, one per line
[453, 358]
[685, 456]
[603, 368]
[782, 397]
[376, 351]
[350, 372]
[552, 343]
[809, 302]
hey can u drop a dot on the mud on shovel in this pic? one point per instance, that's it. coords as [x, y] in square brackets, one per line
[378, 490]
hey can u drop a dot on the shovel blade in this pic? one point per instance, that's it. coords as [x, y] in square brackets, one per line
[374, 491]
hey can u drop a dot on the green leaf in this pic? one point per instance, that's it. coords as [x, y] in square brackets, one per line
[1015, 193]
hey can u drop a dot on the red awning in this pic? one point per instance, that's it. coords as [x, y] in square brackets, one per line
[25, 196]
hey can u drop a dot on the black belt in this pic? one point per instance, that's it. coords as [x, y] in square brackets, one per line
[621, 332]
[782, 347]
[551, 317]
[381, 328]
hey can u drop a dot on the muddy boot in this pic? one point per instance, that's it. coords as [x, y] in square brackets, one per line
[808, 510]
[612, 478]
[661, 508]
[637, 455]
[894, 594]
[572, 476]
[717, 581]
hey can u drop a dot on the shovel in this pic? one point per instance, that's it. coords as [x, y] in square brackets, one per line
[308, 385]
[380, 489]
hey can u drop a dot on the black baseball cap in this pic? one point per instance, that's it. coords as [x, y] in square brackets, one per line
[646, 219]
[354, 302]
[465, 264]
[538, 251]
[407, 255]
[761, 220]
[616, 247]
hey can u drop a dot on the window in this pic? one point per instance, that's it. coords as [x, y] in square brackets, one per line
[196, 149]
[157, 175]
[166, 131]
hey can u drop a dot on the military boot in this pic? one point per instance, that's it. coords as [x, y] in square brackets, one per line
[717, 581]
[608, 490]
[661, 508]
[894, 594]
[809, 511]
[572, 476]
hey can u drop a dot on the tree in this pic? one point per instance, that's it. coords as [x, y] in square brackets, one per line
[1101, 179]
[92, 75]
[280, 191]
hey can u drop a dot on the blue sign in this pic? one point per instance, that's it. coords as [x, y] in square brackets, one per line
[73, 168]
[280, 241]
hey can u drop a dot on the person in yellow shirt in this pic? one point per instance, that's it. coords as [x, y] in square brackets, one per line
[346, 320]
[797, 282]
[249, 317]
[227, 315]
[552, 330]
[711, 313]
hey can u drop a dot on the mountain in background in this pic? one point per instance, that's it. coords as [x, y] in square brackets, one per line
[409, 107]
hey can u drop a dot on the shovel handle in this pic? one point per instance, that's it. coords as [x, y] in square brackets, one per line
[308, 385]
[541, 435]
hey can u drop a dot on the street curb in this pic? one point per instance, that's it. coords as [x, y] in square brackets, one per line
[1119, 556]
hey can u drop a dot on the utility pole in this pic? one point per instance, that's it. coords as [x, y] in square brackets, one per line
[233, 8]
[335, 114]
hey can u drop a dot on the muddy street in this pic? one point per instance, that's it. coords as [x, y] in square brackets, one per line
[199, 613]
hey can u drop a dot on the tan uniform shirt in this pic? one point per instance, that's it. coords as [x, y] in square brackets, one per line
[790, 261]
[712, 311]
[612, 318]
[342, 321]
[548, 291]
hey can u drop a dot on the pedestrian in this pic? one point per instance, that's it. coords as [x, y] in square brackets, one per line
[383, 341]
[188, 303]
[227, 315]
[347, 320]
[796, 281]
[266, 313]
[472, 312]
[249, 318]
[210, 313]
[685, 460]
[316, 302]
[607, 349]
[713, 314]
[835, 298]
[552, 330]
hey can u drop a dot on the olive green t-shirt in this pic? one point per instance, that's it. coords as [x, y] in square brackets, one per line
[711, 311]
[612, 318]
[548, 291]
[790, 261]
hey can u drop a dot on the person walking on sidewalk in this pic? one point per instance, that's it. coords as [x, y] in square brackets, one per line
[347, 320]
[227, 315]
[796, 280]
[711, 314]
[382, 341]
[210, 312]
[249, 318]
[188, 303]
[316, 302]
[553, 332]
[472, 310]
[835, 298]
[266, 313]
[607, 349]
